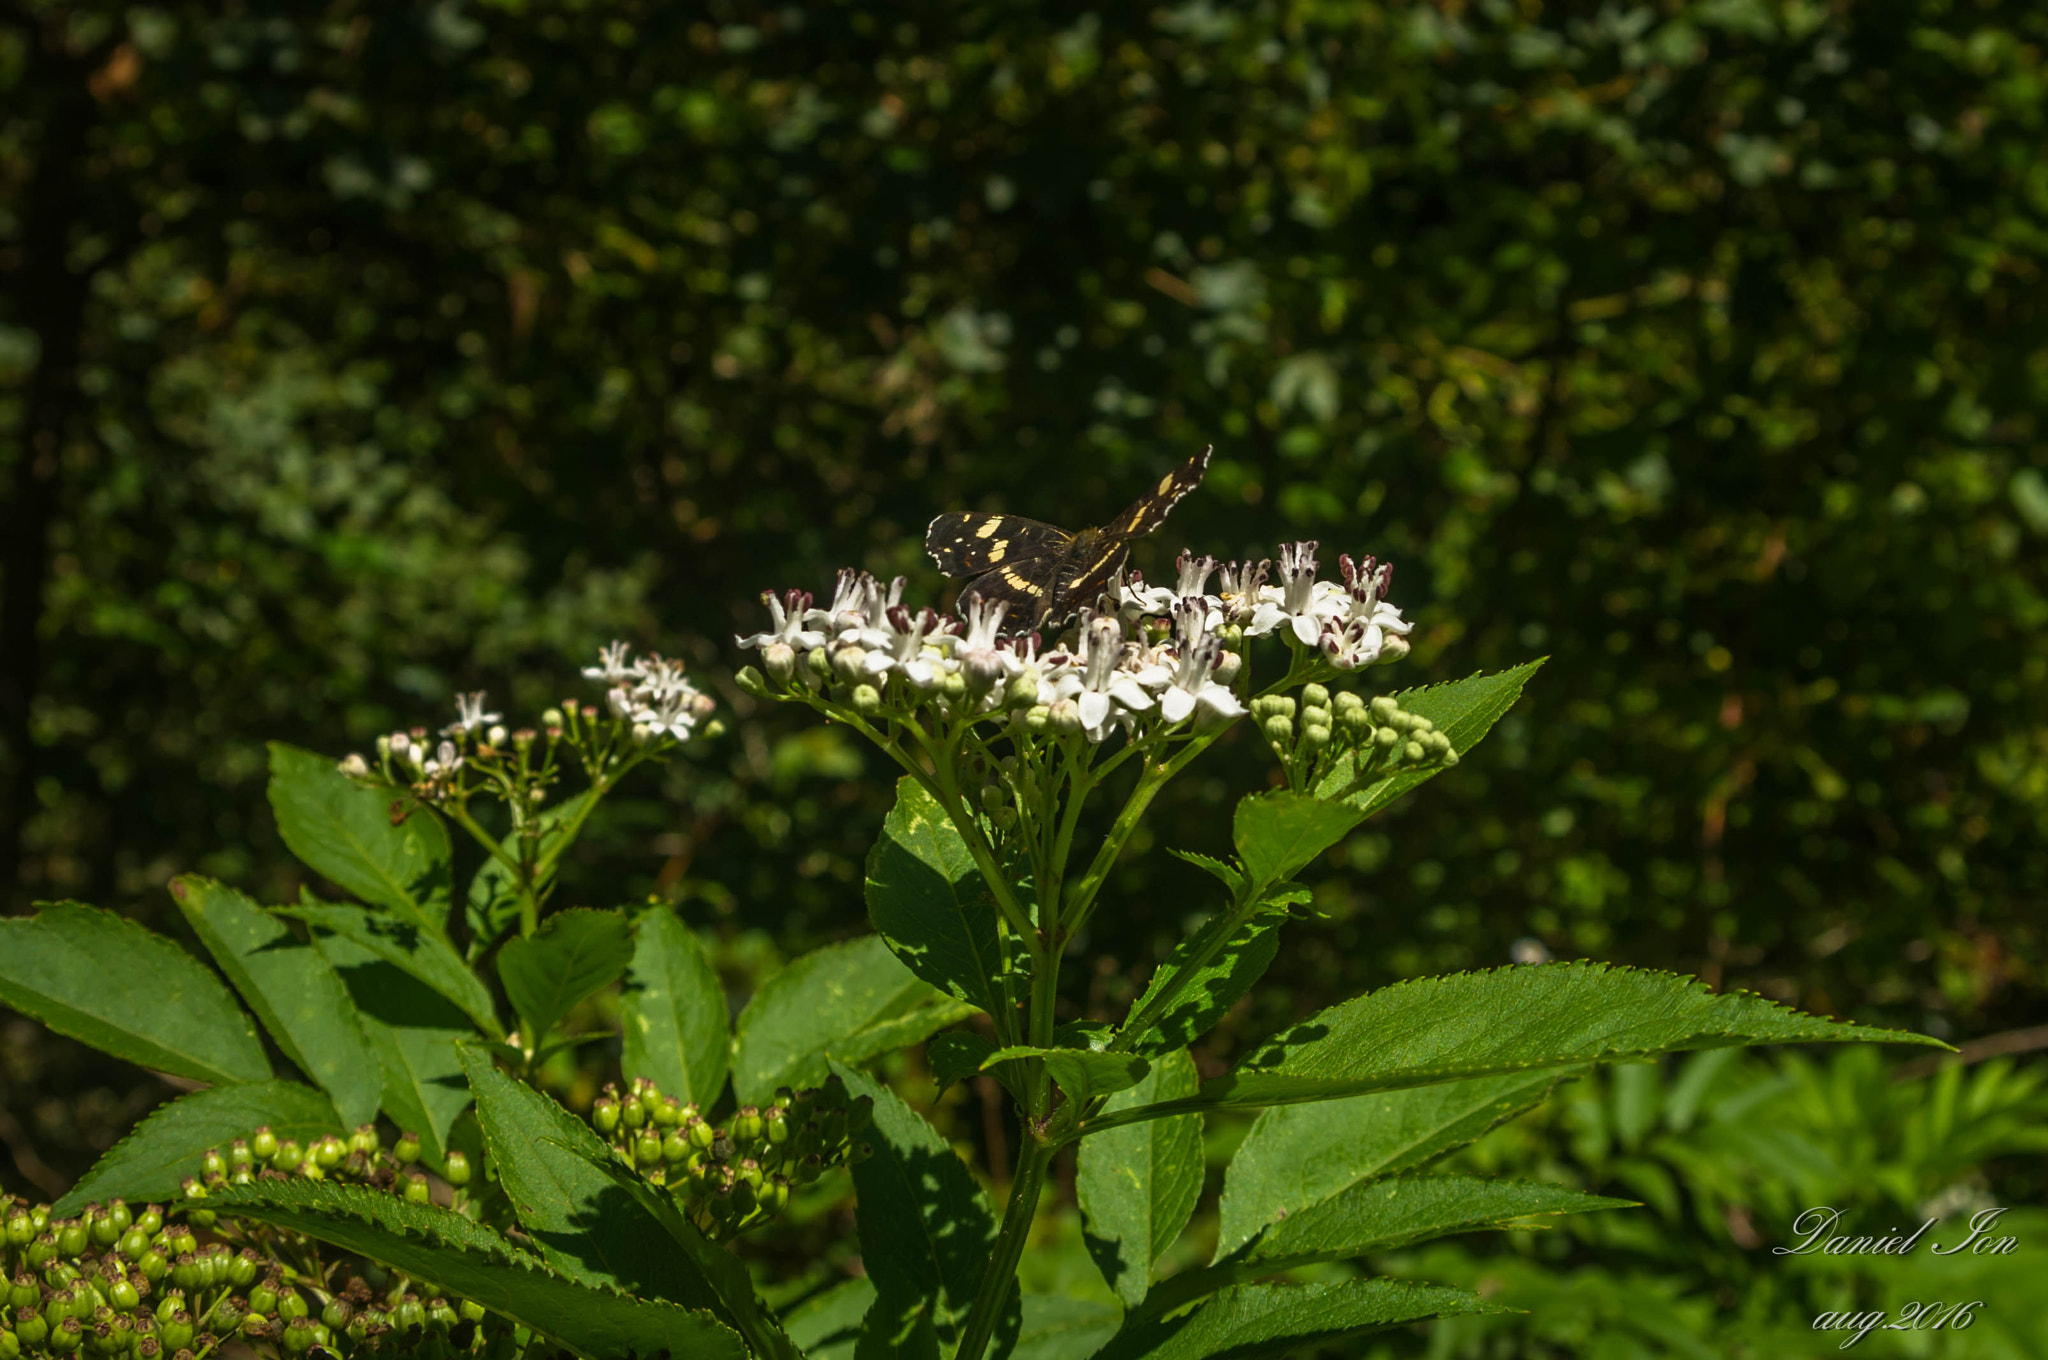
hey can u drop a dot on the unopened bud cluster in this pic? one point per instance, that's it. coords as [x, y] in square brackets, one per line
[1372, 738]
[732, 1177]
[129, 1283]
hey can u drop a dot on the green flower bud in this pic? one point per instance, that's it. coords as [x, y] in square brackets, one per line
[417, 1190]
[1315, 696]
[994, 798]
[1023, 691]
[471, 1310]
[700, 1134]
[746, 1125]
[604, 1116]
[407, 1148]
[775, 1126]
[676, 1147]
[809, 1168]
[134, 1244]
[72, 1238]
[213, 1166]
[123, 1296]
[1347, 702]
[1065, 717]
[23, 1293]
[244, 1268]
[860, 1115]
[337, 1313]
[65, 1337]
[364, 1139]
[169, 1305]
[263, 1143]
[743, 1200]
[441, 1314]
[1005, 819]
[152, 1220]
[866, 700]
[1413, 753]
[289, 1154]
[647, 1149]
[292, 1304]
[153, 1266]
[298, 1336]
[859, 1153]
[10, 1345]
[42, 1251]
[669, 1113]
[21, 1230]
[1315, 736]
[1384, 707]
[1279, 729]
[458, 1169]
[953, 685]
[775, 1195]
[57, 1306]
[183, 1243]
[632, 1113]
[118, 1214]
[410, 1315]
[1386, 738]
[263, 1298]
[1038, 718]
[32, 1328]
[312, 1170]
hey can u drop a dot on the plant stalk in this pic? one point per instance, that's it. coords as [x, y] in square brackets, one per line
[1033, 1160]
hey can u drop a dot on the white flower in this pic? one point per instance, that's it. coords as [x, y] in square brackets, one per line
[1099, 684]
[1192, 583]
[790, 613]
[981, 653]
[469, 714]
[614, 665]
[1370, 628]
[1238, 589]
[902, 647]
[876, 628]
[662, 679]
[1194, 686]
[674, 715]
[849, 603]
[1300, 601]
[443, 763]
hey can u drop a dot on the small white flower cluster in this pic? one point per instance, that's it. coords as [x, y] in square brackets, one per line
[1350, 621]
[651, 693]
[1146, 653]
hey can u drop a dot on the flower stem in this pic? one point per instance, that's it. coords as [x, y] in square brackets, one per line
[1033, 1160]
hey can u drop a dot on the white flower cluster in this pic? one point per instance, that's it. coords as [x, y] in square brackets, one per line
[652, 693]
[1146, 653]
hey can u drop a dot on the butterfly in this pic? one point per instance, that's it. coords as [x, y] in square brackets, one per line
[1043, 573]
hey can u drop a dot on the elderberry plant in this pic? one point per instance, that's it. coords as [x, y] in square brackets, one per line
[387, 1175]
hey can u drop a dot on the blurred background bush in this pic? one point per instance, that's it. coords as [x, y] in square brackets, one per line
[354, 354]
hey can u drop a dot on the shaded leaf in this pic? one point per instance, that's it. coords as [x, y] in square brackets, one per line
[825, 1325]
[928, 901]
[152, 1162]
[572, 956]
[1056, 1327]
[292, 988]
[1137, 1185]
[346, 834]
[852, 1000]
[413, 1031]
[1207, 992]
[1256, 1320]
[956, 1055]
[1299, 1155]
[673, 1013]
[549, 1164]
[173, 1016]
[424, 954]
[440, 1246]
[925, 1231]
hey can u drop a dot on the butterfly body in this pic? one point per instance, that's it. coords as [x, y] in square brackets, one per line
[1042, 572]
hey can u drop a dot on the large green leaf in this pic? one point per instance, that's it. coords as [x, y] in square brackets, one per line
[426, 954]
[292, 988]
[1082, 1073]
[549, 1164]
[673, 1012]
[1257, 1320]
[1278, 833]
[1377, 1216]
[572, 956]
[851, 1000]
[1056, 1327]
[925, 1231]
[826, 1325]
[383, 847]
[929, 902]
[437, 1245]
[1137, 1185]
[491, 905]
[1519, 1019]
[126, 991]
[1463, 710]
[1297, 1156]
[414, 1032]
[152, 1162]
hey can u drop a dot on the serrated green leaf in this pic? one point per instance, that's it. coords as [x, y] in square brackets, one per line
[442, 1247]
[1083, 1074]
[424, 954]
[153, 1161]
[292, 988]
[1255, 1320]
[1463, 710]
[585, 1225]
[853, 1000]
[1278, 833]
[1207, 992]
[673, 1013]
[491, 905]
[925, 1231]
[1378, 1216]
[825, 1325]
[1056, 1327]
[1518, 1019]
[1138, 1185]
[175, 1016]
[413, 1030]
[928, 901]
[1299, 1155]
[572, 956]
[1223, 873]
[346, 834]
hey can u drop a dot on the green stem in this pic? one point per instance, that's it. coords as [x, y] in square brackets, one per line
[1154, 779]
[1240, 911]
[1033, 1160]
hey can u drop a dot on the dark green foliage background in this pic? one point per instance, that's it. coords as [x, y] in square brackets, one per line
[355, 354]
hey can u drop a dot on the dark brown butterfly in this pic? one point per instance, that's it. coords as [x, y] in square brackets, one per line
[1042, 572]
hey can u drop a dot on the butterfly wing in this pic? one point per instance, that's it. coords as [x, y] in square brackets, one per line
[967, 545]
[1149, 511]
